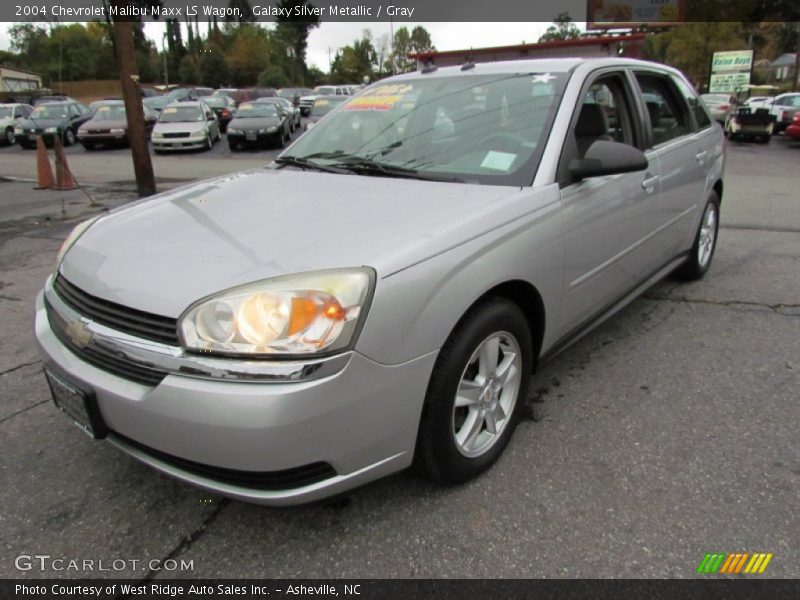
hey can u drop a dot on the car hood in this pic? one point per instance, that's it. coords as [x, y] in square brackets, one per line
[254, 123]
[161, 255]
[179, 127]
[42, 123]
[105, 124]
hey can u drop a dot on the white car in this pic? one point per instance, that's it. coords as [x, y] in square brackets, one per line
[185, 126]
[784, 108]
[10, 115]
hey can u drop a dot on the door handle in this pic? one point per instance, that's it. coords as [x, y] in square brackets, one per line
[649, 184]
[701, 157]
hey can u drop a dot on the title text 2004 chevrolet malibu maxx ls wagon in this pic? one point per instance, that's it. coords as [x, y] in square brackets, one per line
[383, 292]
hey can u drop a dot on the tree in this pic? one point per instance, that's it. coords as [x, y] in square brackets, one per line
[292, 34]
[354, 63]
[249, 54]
[563, 28]
[188, 71]
[274, 77]
[405, 43]
[214, 68]
[691, 46]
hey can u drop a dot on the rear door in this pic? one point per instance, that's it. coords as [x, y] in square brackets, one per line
[608, 220]
[683, 149]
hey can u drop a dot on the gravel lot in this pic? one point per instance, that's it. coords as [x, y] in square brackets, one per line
[669, 432]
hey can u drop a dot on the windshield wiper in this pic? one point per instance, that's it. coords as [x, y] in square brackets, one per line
[304, 163]
[368, 166]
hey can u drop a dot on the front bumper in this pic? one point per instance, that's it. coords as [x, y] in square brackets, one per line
[361, 420]
[186, 143]
[102, 138]
[260, 139]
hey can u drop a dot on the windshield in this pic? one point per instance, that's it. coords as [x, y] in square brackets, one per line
[112, 112]
[181, 114]
[5, 112]
[480, 128]
[252, 110]
[215, 101]
[322, 106]
[49, 111]
[325, 89]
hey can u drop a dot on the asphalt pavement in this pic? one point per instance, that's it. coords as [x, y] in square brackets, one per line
[669, 432]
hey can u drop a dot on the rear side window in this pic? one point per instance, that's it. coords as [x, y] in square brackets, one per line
[669, 117]
[701, 116]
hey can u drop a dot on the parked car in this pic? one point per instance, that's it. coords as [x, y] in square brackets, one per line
[383, 292]
[53, 98]
[185, 125]
[10, 117]
[306, 102]
[223, 106]
[293, 94]
[321, 107]
[793, 130]
[258, 124]
[256, 93]
[236, 95]
[759, 101]
[290, 109]
[52, 119]
[721, 106]
[750, 124]
[109, 125]
[157, 103]
[784, 108]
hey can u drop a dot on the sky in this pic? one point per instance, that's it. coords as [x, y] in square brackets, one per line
[330, 35]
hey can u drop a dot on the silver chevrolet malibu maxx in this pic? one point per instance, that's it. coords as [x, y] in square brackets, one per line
[382, 292]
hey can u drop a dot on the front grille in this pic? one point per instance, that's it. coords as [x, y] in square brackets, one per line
[128, 320]
[99, 131]
[286, 479]
[102, 358]
[176, 135]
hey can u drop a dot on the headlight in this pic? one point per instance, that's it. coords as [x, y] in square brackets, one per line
[18, 131]
[234, 131]
[157, 135]
[295, 314]
[51, 130]
[272, 129]
[200, 132]
[117, 131]
[79, 230]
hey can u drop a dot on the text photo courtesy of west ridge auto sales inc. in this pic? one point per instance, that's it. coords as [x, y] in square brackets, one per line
[403, 300]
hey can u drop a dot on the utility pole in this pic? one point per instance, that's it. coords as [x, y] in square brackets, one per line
[129, 77]
[796, 57]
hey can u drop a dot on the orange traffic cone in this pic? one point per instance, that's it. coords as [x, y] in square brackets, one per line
[43, 167]
[64, 178]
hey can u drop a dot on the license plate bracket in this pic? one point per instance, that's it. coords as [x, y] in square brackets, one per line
[250, 136]
[78, 404]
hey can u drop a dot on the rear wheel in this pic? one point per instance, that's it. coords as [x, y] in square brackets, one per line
[705, 243]
[476, 392]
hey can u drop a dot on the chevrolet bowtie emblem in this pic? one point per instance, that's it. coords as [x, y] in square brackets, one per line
[79, 333]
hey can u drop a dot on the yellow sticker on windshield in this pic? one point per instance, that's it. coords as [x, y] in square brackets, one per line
[169, 111]
[383, 97]
[246, 105]
[104, 109]
[321, 102]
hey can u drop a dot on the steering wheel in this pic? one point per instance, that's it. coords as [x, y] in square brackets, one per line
[498, 140]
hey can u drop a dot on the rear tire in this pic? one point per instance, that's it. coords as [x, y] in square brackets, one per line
[705, 243]
[476, 392]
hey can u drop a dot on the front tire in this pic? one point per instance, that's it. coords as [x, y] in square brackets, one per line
[10, 137]
[69, 137]
[705, 243]
[476, 392]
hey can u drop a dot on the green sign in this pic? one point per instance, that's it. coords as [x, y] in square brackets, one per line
[730, 71]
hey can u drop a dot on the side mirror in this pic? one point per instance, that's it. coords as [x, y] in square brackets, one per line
[608, 158]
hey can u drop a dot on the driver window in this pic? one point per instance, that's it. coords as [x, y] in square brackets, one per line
[604, 116]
